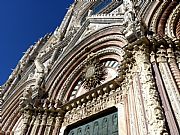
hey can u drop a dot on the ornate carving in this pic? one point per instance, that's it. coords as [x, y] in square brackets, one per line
[154, 113]
[39, 74]
[93, 73]
[130, 21]
[26, 100]
[87, 130]
[114, 50]
[92, 107]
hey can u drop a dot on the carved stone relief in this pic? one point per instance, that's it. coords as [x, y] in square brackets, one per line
[150, 94]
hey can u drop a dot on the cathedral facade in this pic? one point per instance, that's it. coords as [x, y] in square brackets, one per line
[111, 68]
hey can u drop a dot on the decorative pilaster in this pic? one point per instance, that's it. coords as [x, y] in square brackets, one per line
[44, 117]
[173, 66]
[154, 113]
[164, 98]
[43, 123]
[27, 115]
[58, 123]
[36, 126]
[50, 119]
[169, 82]
[26, 109]
[49, 124]
[58, 118]
[137, 98]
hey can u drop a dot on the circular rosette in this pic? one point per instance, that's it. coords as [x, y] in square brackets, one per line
[93, 74]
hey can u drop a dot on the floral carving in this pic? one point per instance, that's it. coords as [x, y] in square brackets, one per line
[94, 72]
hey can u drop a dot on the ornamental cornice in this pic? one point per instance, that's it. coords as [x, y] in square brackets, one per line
[92, 102]
[96, 100]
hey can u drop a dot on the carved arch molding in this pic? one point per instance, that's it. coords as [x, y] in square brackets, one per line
[95, 100]
[109, 58]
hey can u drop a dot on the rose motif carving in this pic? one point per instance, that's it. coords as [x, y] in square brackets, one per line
[93, 74]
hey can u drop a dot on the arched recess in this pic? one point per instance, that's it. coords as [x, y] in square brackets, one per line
[164, 18]
[106, 43]
[109, 58]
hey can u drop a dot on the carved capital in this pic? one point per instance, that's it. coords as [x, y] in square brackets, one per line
[161, 54]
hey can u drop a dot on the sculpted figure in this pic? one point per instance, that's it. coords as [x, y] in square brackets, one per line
[25, 100]
[129, 15]
[39, 76]
[57, 33]
[40, 71]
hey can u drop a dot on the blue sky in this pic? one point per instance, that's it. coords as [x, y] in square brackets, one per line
[23, 22]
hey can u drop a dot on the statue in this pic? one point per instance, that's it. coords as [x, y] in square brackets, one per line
[129, 16]
[26, 99]
[40, 69]
[56, 33]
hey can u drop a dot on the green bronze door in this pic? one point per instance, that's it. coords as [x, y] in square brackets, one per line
[107, 125]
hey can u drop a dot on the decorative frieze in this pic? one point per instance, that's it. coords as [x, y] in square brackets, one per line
[100, 99]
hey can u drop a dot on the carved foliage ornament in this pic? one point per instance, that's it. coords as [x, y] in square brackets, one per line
[94, 72]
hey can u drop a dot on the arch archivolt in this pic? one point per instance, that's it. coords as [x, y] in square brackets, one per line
[12, 107]
[172, 22]
[111, 33]
[156, 17]
[113, 51]
[77, 55]
[110, 46]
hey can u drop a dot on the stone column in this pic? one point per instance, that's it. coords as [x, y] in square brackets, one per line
[154, 114]
[174, 68]
[35, 128]
[62, 130]
[43, 123]
[58, 123]
[138, 99]
[26, 121]
[31, 123]
[164, 98]
[50, 124]
[169, 82]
